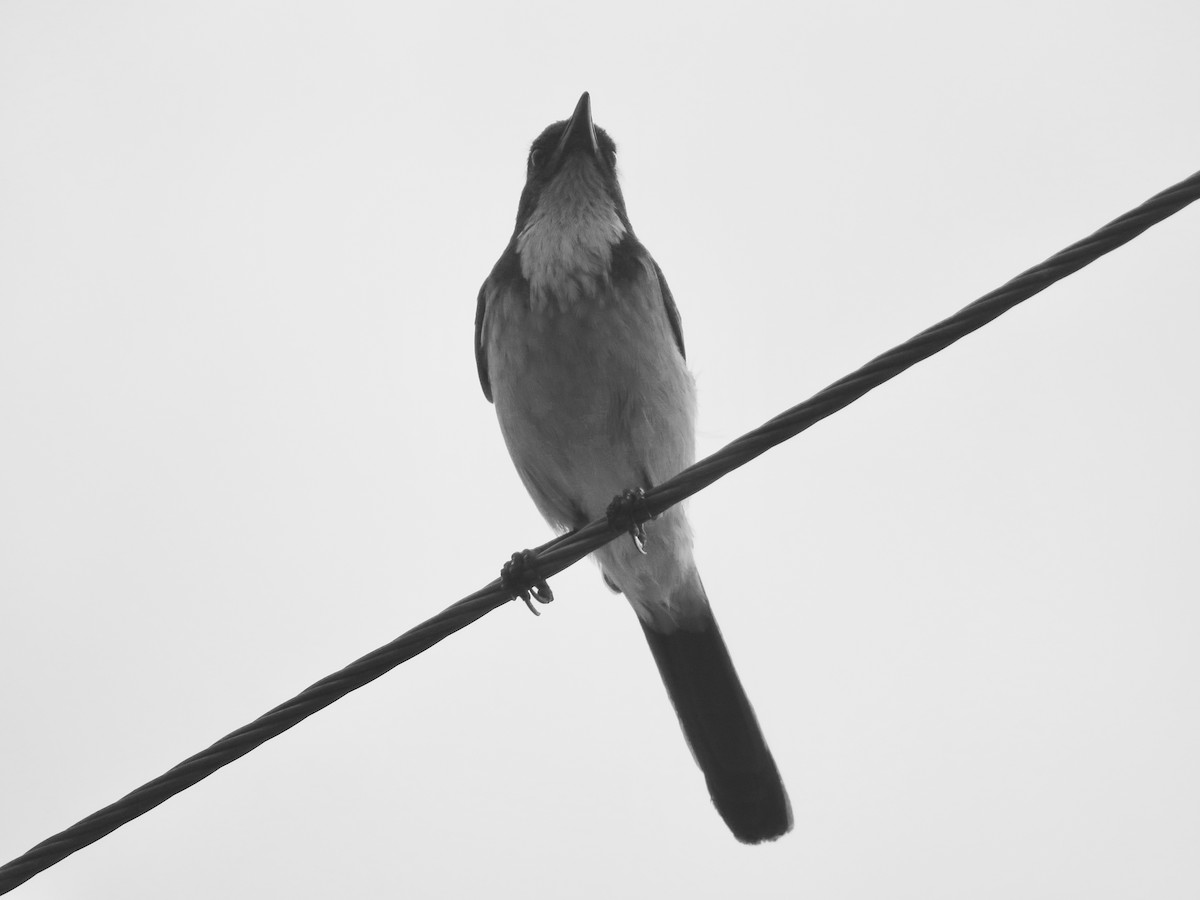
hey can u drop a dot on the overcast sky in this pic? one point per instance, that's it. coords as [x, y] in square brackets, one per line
[242, 443]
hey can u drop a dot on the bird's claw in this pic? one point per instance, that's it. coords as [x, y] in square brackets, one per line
[638, 533]
[625, 514]
[520, 578]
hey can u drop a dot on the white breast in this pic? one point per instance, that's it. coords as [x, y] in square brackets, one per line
[566, 247]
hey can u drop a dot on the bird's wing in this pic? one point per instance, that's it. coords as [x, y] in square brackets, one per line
[672, 309]
[481, 362]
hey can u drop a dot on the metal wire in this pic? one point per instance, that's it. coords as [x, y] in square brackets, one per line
[554, 556]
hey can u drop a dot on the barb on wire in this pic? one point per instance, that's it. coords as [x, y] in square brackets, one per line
[556, 555]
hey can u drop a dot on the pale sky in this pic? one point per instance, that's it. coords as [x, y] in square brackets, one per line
[242, 443]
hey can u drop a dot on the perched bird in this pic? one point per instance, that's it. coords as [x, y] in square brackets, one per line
[578, 344]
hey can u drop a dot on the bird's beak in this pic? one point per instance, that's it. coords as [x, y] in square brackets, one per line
[580, 134]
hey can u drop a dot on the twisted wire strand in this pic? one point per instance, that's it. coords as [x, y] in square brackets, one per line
[552, 557]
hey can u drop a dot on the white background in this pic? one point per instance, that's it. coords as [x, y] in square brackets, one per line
[243, 444]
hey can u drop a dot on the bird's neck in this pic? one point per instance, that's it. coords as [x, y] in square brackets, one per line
[566, 246]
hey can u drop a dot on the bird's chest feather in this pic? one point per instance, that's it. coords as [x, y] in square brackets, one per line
[592, 394]
[592, 397]
[572, 364]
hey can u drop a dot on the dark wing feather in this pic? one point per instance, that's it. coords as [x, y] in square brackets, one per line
[672, 309]
[506, 278]
[629, 257]
[481, 362]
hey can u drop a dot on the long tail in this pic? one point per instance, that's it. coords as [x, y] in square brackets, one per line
[720, 727]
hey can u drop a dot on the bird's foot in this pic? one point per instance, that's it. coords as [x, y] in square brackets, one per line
[628, 513]
[520, 578]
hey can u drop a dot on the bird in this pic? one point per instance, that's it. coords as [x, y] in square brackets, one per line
[579, 346]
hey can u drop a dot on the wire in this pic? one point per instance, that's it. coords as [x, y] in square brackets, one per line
[552, 557]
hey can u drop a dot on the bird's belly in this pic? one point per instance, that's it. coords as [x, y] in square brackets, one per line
[592, 399]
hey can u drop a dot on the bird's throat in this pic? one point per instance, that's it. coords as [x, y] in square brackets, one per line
[566, 246]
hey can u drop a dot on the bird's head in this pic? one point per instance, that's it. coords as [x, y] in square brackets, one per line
[571, 163]
[571, 212]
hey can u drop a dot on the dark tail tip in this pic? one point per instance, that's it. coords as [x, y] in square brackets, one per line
[722, 731]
